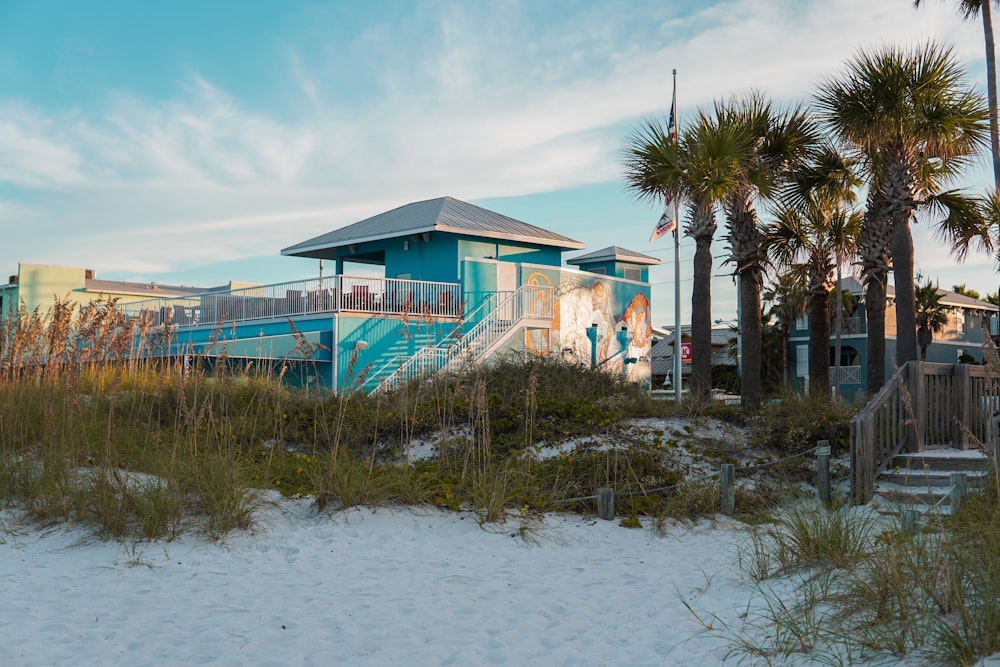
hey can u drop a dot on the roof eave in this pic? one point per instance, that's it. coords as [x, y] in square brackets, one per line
[310, 250]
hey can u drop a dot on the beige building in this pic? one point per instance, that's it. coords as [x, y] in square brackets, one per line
[39, 285]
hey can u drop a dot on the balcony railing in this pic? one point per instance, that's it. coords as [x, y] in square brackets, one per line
[851, 326]
[334, 294]
[848, 375]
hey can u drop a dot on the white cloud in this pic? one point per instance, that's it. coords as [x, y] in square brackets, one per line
[488, 105]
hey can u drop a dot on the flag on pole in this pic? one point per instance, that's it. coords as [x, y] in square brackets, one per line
[668, 221]
[666, 224]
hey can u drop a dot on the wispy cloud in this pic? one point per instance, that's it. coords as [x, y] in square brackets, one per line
[489, 100]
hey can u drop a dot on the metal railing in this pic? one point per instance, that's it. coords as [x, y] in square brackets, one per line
[527, 302]
[923, 404]
[334, 294]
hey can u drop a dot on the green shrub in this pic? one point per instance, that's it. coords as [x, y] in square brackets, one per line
[794, 424]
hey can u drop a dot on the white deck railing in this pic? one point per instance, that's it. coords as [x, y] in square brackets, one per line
[527, 302]
[304, 297]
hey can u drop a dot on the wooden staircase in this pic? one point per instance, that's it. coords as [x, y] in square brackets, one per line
[926, 481]
[926, 438]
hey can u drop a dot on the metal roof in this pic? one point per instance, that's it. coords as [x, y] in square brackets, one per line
[445, 214]
[152, 290]
[948, 298]
[615, 254]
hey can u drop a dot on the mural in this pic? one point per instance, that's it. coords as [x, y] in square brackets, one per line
[582, 302]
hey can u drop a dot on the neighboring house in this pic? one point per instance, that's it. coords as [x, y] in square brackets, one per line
[444, 283]
[962, 335]
[38, 286]
[662, 354]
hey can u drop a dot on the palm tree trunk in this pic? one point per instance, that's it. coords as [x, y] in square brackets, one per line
[991, 87]
[875, 289]
[702, 229]
[701, 317]
[750, 330]
[786, 354]
[746, 243]
[876, 234]
[840, 329]
[906, 305]
[819, 337]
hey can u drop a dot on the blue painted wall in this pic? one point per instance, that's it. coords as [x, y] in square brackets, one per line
[616, 269]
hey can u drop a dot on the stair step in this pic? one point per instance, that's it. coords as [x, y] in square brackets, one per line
[953, 460]
[936, 478]
[890, 508]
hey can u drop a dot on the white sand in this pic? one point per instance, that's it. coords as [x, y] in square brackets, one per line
[392, 587]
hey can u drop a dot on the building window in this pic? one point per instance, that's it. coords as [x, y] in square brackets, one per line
[960, 322]
[632, 273]
[802, 361]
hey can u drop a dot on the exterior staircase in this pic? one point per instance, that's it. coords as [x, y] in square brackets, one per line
[926, 439]
[926, 481]
[528, 306]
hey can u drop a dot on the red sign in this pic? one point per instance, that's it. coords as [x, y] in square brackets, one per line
[686, 353]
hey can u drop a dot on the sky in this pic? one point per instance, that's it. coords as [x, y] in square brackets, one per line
[188, 142]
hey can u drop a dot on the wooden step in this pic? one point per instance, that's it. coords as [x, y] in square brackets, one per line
[922, 481]
[936, 478]
[947, 460]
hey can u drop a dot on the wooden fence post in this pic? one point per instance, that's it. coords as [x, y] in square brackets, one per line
[727, 485]
[959, 487]
[917, 418]
[909, 520]
[823, 470]
[606, 503]
[962, 388]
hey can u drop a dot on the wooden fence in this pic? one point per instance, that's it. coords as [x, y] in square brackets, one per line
[923, 405]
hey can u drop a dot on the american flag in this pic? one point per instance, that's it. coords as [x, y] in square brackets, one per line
[672, 125]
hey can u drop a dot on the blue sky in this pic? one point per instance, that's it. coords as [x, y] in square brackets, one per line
[191, 141]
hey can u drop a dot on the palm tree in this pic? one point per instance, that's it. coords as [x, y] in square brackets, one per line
[910, 118]
[932, 315]
[831, 180]
[787, 296]
[782, 140]
[816, 229]
[702, 167]
[969, 9]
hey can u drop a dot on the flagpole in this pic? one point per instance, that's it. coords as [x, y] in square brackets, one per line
[678, 377]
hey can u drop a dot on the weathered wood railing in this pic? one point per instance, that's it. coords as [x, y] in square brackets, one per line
[924, 404]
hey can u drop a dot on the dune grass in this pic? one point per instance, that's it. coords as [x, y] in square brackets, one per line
[106, 423]
[96, 430]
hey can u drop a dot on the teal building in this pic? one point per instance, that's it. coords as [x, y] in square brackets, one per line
[428, 286]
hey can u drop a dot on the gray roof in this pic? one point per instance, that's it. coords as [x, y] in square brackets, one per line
[444, 214]
[152, 290]
[948, 298]
[614, 254]
[661, 355]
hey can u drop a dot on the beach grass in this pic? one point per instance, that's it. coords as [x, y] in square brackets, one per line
[147, 446]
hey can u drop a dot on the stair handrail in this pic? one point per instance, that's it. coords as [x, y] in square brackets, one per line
[923, 404]
[871, 430]
[490, 329]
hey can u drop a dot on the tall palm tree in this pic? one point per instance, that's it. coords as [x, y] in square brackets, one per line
[831, 180]
[969, 9]
[815, 228]
[932, 315]
[702, 166]
[911, 119]
[782, 141]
